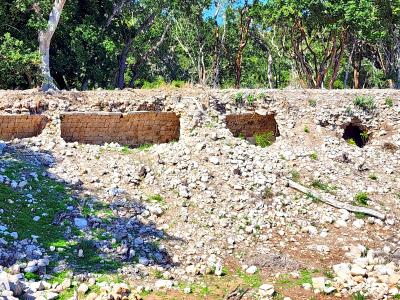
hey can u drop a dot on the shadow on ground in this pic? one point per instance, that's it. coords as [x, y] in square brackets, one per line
[79, 233]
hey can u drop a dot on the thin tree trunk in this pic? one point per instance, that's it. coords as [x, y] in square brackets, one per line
[122, 63]
[397, 59]
[244, 30]
[44, 38]
[349, 63]
[270, 74]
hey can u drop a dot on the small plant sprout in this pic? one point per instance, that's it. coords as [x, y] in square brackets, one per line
[312, 102]
[314, 156]
[295, 175]
[361, 199]
[250, 99]
[364, 136]
[238, 98]
[373, 176]
[351, 142]
[264, 139]
[389, 102]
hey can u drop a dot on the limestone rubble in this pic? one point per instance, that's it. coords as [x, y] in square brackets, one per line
[212, 204]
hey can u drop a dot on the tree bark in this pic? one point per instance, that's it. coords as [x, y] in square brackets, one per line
[44, 38]
[244, 26]
[270, 74]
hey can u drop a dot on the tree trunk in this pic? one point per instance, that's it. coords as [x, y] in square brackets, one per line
[44, 38]
[122, 64]
[244, 35]
[270, 74]
[397, 59]
[349, 63]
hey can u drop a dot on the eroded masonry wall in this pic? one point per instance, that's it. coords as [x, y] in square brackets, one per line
[21, 126]
[132, 129]
[250, 124]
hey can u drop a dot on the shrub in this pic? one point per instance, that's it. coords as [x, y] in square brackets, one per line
[312, 102]
[157, 83]
[264, 139]
[364, 136]
[351, 142]
[373, 177]
[314, 156]
[366, 103]
[250, 99]
[238, 98]
[361, 198]
[306, 129]
[295, 175]
[178, 83]
[389, 102]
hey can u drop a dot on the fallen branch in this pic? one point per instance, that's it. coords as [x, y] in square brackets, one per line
[335, 203]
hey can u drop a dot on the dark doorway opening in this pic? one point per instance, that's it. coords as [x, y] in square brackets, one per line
[356, 134]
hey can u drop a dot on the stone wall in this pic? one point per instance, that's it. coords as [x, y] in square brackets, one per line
[132, 129]
[21, 126]
[250, 124]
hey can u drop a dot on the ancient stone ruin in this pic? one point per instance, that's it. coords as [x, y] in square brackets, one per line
[21, 126]
[131, 129]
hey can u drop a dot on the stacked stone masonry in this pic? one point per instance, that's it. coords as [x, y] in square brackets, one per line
[131, 129]
[250, 124]
[21, 126]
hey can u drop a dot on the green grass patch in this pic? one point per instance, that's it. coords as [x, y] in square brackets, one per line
[264, 139]
[366, 103]
[287, 281]
[126, 150]
[156, 198]
[314, 156]
[144, 147]
[250, 280]
[361, 198]
[389, 102]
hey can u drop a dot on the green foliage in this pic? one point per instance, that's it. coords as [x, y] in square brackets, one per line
[314, 156]
[250, 99]
[373, 177]
[144, 147]
[306, 129]
[351, 142]
[238, 98]
[159, 82]
[358, 296]
[304, 38]
[126, 150]
[31, 276]
[286, 281]
[18, 63]
[295, 175]
[366, 103]
[361, 199]
[250, 280]
[264, 139]
[312, 102]
[364, 136]
[389, 102]
[156, 198]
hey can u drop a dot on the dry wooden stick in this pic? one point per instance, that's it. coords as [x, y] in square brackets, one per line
[335, 203]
